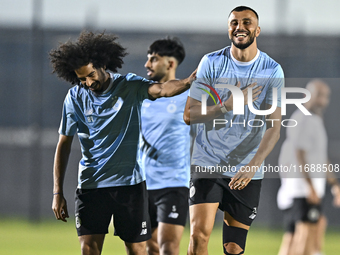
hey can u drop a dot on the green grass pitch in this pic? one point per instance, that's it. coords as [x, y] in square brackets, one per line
[54, 237]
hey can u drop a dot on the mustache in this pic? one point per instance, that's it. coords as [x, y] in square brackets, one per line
[241, 31]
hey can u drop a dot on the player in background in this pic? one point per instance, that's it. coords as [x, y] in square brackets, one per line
[300, 195]
[166, 148]
[242, 146]
[103, 108]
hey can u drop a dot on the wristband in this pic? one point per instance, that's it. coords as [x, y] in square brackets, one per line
[223, 109]
[57, 193]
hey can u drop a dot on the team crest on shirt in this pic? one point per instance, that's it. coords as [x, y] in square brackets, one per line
[171, 108]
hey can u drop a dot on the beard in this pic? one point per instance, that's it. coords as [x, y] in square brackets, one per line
[245, 45]
[100, 88]
[156, 76]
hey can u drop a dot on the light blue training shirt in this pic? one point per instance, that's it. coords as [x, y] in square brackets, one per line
[233, 141]
[166, 143]
[108, 128]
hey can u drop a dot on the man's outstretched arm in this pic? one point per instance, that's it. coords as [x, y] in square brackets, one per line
[171, 88]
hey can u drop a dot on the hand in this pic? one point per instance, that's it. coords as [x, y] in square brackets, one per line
[242, 177]
[257, 91]
[313, 198]
[192, 77]
[59, 207]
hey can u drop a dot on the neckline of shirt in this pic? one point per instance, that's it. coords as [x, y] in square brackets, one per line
[110, 85]
[240, 63]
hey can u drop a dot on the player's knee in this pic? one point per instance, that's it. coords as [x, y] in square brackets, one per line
[232, 248]
[88, 248]
[199, 237]
[152, 249]
[152, 244]
[169, 248]
[135, 248]
[234, 240]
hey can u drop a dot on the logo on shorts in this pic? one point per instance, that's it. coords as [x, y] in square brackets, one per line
[144, 229]
[173, 214]
[313, 215]
[78, 221]
[253, 215]
[192, 191]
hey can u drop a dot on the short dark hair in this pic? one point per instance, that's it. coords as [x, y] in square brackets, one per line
[101, 50]
[244, 8]
[171, 47]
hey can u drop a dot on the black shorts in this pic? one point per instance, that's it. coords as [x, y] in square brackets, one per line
[301, 211]
[242, 205]
[128, 205]
[304, 211]
[169, 205]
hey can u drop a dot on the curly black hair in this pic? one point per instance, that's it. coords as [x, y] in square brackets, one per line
[99, 49]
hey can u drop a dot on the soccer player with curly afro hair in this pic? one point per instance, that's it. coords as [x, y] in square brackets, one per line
[104, 110]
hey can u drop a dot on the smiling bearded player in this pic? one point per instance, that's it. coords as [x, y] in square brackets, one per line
[238, 144]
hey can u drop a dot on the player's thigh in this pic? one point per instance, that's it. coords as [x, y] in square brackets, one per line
[131, 219]
[205, 197]
[136, 248]
[202, 218]
[169, 233]
[152, 243]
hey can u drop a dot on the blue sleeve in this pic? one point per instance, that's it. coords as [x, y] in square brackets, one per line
[68, 124]
[203, 76]
[276, 81]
